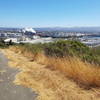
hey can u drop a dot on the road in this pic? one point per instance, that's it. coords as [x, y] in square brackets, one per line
[8, 90]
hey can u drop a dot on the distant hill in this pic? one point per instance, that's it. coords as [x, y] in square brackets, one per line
[9, 29]
[71, 29]
[65, 29]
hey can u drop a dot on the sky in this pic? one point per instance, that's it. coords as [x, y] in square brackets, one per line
[49, 13]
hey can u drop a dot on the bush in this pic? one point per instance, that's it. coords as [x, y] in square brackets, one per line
[3, 45]
[63, 48]
[70, 48]
[34, 48]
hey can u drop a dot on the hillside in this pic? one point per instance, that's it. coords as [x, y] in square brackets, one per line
[50, 84]
[63, 70]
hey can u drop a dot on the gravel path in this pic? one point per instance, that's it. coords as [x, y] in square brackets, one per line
[9, 91]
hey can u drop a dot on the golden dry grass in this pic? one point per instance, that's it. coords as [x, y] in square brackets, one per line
[83, 73]
[51, 78]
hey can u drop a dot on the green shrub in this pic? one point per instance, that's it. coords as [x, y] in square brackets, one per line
[34, 48]
[3, 45]
[63, 48]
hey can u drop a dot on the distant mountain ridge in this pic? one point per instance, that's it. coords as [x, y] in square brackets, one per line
[65, 29]
[9, 29]
[71, 29]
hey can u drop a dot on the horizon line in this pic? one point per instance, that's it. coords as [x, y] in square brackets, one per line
[54, 27]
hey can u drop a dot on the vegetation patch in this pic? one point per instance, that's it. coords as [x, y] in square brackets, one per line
[56, 84]
[63, 49]
[3, 45]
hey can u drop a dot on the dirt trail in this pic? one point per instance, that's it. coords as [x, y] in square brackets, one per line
[8, 90]
[49, 84]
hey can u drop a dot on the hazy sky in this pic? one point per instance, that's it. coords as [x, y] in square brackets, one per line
[49, 13]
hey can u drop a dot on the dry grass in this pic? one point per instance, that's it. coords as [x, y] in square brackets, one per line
[83, 73]
[46, 78]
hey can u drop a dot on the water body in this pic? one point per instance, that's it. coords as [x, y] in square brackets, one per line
[91, 40]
